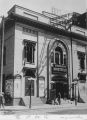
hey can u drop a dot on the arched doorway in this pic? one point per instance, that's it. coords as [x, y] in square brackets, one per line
[59, 69]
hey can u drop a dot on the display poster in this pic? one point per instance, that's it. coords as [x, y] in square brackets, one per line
[9, 86]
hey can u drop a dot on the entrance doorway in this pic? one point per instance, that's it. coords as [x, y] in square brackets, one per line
[59, 69]
[62, 88]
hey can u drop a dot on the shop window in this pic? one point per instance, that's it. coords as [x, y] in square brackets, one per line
[81, 57]
[29, 51]
[27, 87]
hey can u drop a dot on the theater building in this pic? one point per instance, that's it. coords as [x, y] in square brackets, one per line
[48, 57]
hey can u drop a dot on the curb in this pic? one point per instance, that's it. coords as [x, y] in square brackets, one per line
[69, 106]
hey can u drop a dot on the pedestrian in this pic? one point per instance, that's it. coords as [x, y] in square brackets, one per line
[54, 100]
[65, 96]
[59, 98]
[2, 100]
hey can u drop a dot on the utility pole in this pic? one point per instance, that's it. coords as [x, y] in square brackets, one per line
[2, 51]
[30, 79]
[30, 95]
[75, 96]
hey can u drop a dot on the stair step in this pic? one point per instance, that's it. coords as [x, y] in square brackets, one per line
[34, 101]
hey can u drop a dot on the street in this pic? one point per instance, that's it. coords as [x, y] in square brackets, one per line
[70, 112]
[48, 111]
[52, 113]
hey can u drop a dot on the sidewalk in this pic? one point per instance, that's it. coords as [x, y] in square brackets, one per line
[45, 106]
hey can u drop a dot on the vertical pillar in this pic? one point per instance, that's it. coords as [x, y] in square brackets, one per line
[71, 64]
[30, 94]
[37, 69]
[86, 63]
[75, 95]
[54, 56]
[48, 72]
[2, 51]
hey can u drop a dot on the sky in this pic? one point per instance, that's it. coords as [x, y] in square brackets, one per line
[79, 6]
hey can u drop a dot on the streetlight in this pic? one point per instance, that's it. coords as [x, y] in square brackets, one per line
[30, 79]
[75, 95]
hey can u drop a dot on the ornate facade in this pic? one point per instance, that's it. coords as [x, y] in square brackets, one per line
[49, 58]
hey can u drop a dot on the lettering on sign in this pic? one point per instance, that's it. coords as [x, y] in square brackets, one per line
[58, 69]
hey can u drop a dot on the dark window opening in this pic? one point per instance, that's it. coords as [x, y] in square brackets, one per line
[81, 57]
[82, 64]
[30, 73]
[64, 59]
[29, 52]
[58, 56]
[82, 77]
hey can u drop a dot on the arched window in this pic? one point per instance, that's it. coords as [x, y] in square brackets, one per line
[29, 51]
[58, 56]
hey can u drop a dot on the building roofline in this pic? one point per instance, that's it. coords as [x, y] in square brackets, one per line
[12, 18]
[27, 10]
[45, 26]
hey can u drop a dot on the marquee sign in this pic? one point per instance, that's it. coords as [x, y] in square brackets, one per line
[59, 69]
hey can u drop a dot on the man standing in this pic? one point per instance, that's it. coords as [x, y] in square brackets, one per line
[59, 98]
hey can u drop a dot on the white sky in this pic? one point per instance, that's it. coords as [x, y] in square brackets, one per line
[44, 5]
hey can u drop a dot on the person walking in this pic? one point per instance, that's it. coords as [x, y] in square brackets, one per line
[2, 100]
[59, 98]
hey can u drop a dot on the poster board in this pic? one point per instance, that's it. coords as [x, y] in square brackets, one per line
[9, 87]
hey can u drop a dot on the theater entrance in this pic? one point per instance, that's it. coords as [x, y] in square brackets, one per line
[60, 84]
[59, 69]
[60, 87]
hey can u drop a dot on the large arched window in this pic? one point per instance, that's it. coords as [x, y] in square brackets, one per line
[59, 56]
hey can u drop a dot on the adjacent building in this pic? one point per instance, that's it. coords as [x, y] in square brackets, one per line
[44, 51]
